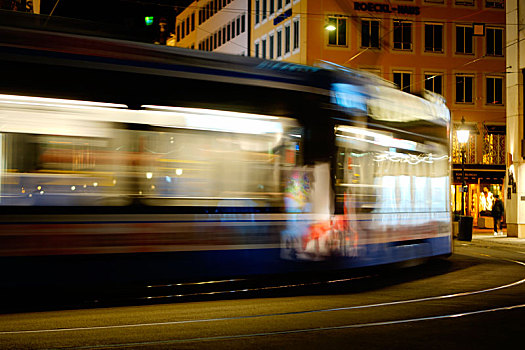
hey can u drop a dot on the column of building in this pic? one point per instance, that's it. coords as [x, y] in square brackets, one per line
[515, 180]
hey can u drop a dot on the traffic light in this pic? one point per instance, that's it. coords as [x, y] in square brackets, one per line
[148, 20]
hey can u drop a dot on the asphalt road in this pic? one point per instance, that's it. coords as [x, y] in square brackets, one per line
[474, 299]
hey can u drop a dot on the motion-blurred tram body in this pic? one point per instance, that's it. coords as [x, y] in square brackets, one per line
[192, 165]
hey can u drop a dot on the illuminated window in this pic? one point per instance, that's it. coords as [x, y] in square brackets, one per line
[494, 146]
[464, 88]
[434, 37]
[337, 37]
[495, 90]
[370, 34]
[434, 83]
[464, 39]
[402, 35]
[470, 149]
[402, 80]
[494, 41]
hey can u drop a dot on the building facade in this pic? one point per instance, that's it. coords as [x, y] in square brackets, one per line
[214, 25]
[453, 47]
[515, 68]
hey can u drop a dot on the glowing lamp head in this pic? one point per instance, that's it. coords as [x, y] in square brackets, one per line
[462, 136]
[462, 132]
[330, 27]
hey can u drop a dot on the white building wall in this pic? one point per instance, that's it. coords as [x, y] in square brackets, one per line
[515, 56]
[234, 10]
[231, 11]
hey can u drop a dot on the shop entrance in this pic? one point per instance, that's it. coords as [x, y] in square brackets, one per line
[479, 199]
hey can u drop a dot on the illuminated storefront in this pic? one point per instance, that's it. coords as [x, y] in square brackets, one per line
[483, 180]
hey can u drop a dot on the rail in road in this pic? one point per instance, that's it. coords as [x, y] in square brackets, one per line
[478, 291]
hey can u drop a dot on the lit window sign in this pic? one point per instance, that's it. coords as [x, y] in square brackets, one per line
[386, 8]
[349, 96]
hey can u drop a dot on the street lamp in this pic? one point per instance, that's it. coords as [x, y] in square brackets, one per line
[463, 135]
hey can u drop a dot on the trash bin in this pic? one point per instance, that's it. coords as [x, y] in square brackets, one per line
[465, 228]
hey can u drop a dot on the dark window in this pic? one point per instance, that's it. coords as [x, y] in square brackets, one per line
[433, 38]
[402, 35]
[495, 90]
[464, 89]
[193, 21]
[243, 21]
[434, 83]
[256, 49]
[497, 4]
[238, 25]
[464, 39]
[279, 43]
[465, 2]
[402, 80]
[296, 34]
[494, 41]
[270, 46]
[370, 34]
[264, 9]
[279, 4]
[272, 7]
[263, 48]
[233, 29]
[287, 38]
[257, 10]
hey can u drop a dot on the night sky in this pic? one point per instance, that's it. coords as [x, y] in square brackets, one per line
[121, 13]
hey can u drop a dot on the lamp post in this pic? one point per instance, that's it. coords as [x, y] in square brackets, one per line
[462, 135]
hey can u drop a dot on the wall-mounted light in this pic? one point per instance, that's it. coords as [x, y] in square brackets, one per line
[330, 27]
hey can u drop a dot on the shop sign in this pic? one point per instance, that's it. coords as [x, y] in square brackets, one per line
[386, 8]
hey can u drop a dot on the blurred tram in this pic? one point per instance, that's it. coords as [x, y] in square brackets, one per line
[129, 162]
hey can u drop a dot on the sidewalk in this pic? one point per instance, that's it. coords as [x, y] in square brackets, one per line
[487, 235]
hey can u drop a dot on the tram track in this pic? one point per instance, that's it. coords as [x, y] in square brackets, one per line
[215, 322]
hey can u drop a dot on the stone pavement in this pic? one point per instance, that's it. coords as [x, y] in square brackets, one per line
[487, 235]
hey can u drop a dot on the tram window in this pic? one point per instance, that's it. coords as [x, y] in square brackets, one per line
[204, 168]
[56, 170]
[373, 175]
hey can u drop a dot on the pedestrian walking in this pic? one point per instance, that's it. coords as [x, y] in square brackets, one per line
[497, 214]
